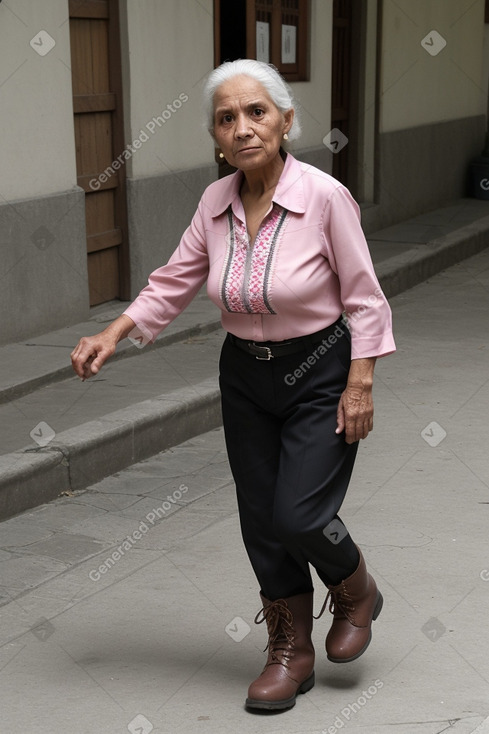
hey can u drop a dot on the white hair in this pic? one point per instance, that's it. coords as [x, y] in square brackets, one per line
[266, 74]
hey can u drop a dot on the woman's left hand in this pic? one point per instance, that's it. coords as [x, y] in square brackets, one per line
[356, 408]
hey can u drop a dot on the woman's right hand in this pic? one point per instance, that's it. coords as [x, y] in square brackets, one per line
[92, 352]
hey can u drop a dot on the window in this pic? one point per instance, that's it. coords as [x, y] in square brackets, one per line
[276, 31]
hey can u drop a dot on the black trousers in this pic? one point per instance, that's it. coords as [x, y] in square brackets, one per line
[290, 467]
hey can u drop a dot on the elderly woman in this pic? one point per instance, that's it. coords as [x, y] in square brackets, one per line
[283, 253]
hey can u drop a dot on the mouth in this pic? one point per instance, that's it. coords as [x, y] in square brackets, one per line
[248, 149]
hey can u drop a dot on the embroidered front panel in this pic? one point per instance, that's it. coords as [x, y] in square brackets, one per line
[247, 273]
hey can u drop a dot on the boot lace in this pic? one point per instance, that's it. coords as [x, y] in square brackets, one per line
[340, 600]
[281, 633]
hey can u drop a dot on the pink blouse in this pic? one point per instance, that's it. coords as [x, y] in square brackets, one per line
[309, 263]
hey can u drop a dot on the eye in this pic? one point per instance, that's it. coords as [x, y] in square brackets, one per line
[258, 112]
[227, 118]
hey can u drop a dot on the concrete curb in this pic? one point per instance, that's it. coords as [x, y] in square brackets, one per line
[124, 349]
[83, 455]
[399, 273]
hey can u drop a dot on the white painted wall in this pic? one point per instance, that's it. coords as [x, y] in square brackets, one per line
[36, 108]
[418, 88]
[171, 50]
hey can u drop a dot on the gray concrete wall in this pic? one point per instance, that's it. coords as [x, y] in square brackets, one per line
[320, 157]
[421, 168]
[43, 270]
[160, 209]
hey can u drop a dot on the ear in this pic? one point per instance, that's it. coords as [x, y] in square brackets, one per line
[288, 120]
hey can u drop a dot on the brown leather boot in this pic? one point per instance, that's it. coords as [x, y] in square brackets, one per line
[289, 669]
[354, 603]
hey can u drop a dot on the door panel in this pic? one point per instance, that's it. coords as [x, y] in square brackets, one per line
[97, 107]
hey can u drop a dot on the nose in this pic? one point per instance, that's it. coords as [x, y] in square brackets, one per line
[243, 128]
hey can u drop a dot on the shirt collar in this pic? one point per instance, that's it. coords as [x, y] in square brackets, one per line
[289, 192]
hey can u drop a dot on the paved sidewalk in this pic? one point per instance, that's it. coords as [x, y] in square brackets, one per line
[129, 606]
[58, 434]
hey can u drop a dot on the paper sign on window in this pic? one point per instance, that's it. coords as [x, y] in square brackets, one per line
[262, 41]
[289, 41]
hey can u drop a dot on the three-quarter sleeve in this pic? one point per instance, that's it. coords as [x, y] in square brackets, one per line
[368, 313]
[172, 287]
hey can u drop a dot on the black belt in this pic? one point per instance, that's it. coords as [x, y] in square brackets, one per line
[269, 350]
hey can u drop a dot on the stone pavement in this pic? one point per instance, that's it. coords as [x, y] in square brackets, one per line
[58, 434]
[129, 606]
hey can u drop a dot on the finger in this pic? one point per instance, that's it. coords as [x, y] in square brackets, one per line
[87, 367]
[100, 358]
[78, 348]
[340, 418]
[79, 368]
[95, 364]
[81, 362]
[355, 429]
[365, 428]
[350, 429]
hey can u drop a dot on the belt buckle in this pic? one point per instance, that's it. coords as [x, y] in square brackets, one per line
[268, 352]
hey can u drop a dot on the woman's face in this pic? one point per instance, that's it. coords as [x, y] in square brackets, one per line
[248, 126]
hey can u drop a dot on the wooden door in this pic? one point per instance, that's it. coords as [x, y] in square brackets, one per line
[99, 139]
[341, 82]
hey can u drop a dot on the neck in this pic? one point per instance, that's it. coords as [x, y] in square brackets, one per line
[261, 180]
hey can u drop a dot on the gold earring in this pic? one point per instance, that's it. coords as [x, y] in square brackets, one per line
[286, 137]
[221, 155]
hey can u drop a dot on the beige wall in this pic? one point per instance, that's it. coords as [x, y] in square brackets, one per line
[36, 109]
[418, 88]
[170, 51]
